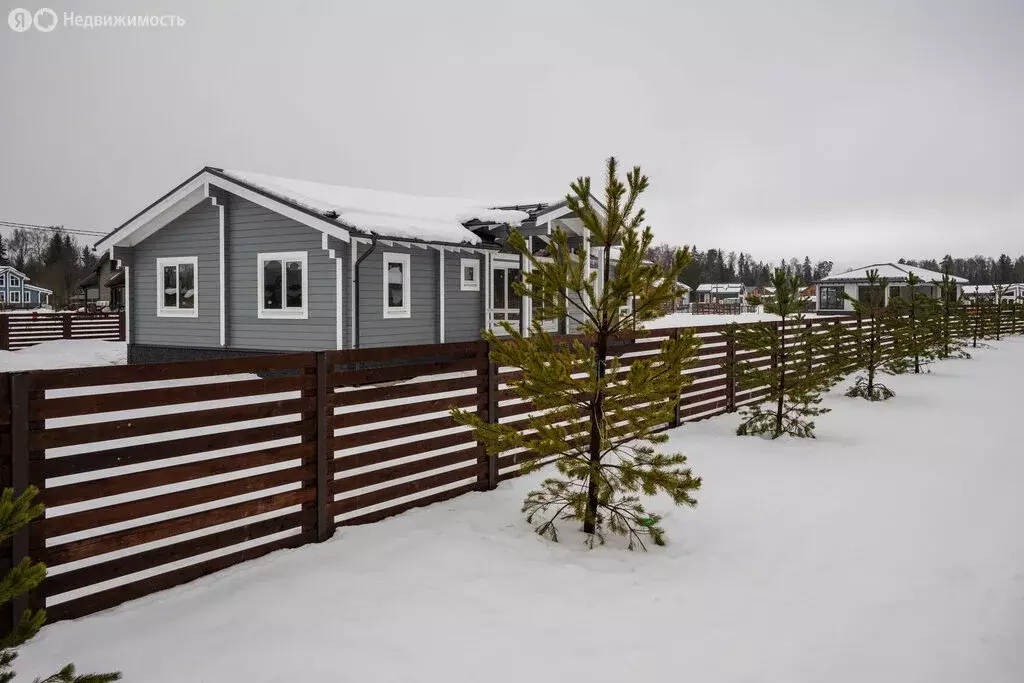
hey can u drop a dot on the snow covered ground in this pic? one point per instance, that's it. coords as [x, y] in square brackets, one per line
[888, 549]
[693, 320]
[64, 354]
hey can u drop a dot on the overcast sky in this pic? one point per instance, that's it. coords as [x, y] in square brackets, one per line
[856, 131]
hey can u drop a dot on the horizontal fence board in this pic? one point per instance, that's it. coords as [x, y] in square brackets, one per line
[382, 495]
[370, 416]
[388, 453]
[157, 531]
[149, 559]
[407, 390]
[166, 396]
[73, 609]
[408, 429]
[171, 502]
[82, 463]
[137, 481]
[407, 469]
[378, 515]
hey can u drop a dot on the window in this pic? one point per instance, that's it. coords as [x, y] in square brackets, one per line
[15, 296]
[470, 275]
[282, 285]
[176, 291]
[872, 295]
[832, 299]
[397, 289]
[3, 297]
[3, 280]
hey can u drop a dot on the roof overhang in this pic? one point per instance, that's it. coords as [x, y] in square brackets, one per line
[562, 210]
[195, 190]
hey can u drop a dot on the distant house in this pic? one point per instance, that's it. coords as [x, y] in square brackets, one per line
[1013, 293]
[855, 284]
[16, 292]
[730, 293]
[104, 287]
[230, 263]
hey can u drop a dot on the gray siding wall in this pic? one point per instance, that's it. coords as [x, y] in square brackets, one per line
[422, 327]
[194, 233]
[463, 311]
[251, 230]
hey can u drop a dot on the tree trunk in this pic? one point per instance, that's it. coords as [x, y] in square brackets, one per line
[597, 412]
[782, 377]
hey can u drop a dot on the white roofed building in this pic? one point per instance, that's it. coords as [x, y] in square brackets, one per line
[730, 292]
[854, 283]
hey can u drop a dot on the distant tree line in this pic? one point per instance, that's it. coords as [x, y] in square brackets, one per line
[715, 265]
[50, 258]
[979, 270]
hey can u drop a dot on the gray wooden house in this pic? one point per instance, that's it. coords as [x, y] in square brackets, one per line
[233, 263]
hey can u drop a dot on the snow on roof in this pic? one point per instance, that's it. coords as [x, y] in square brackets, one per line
[4, 269]
[894, 272]
[729, 288]
[387, 214]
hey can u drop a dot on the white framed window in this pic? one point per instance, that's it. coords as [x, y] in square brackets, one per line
[15, 296]
[3, 280]
[397, 285]
[177, 289]
[469, 274]
[283, 282]
[3, 297]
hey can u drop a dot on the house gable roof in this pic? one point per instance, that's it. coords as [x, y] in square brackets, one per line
[894, 272]
[334, 210]
[724, 288]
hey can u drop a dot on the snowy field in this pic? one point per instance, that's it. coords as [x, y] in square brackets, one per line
[888, 549]
[64, 354]
[694, 320]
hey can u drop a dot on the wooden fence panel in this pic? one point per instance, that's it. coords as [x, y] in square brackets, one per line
[19, 330]
[392, 443]
[156, 475]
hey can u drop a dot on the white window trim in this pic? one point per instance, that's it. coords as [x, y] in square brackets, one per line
[15, 296]
[293, 313]
[404, 311]
[3, 280]
[474, 285]
[161, 310]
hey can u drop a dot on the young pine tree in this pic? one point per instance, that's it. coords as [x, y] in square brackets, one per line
[871, 356]
[15, 514]
[794, 385]
[599, 419]
[914, 340]
[947, 323]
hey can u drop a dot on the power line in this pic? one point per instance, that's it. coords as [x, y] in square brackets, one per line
[51, 228]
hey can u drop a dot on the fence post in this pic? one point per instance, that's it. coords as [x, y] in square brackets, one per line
[677, 411]
[19, 545]
[5, 332]
[490, 370]
[65, 325]
[324, 520]
[121, 327]
[809, 349]
[730, 373]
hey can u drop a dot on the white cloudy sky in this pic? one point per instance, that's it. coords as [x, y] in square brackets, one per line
[856, 131]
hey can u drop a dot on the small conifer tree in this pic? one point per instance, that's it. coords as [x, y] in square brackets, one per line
[914, 337]
[794, 384]
[598, 421]
[871, 356]
[948, 322]
[15, 514]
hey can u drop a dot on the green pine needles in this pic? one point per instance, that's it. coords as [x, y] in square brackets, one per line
[794, 381]
[597, 419]
[871, 355]
[15, 514]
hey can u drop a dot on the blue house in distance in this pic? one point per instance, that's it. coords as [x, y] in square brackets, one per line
[16, 292]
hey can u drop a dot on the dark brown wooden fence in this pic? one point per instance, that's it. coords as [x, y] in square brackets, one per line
[18, 330]
[155, 475]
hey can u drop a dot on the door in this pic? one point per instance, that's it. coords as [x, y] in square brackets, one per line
[506, 305]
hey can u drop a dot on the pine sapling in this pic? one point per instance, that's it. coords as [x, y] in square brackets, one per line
[597, 419]
[871, 356]
[793, 381]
